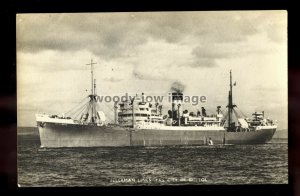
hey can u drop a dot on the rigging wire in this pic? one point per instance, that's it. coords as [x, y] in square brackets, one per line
[88, 111]
[242, 113]
[73, 108]
[76, 106]
[85, 111]
[110, 110]
[236, 114]
[78, 109]
[81, 110]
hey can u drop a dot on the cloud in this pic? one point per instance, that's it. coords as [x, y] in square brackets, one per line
[267, 88]
[51, 61]
[277, 33]
[223, 27]
[113, 79]
[209, 51]
[139, 74]
[148, 51]
[206, 55]
[104, 34]
[117, 35]
[202, 62]
[273, 24]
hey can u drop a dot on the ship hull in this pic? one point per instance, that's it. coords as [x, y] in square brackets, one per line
[74, 135]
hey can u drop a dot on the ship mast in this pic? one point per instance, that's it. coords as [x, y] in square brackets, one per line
[93, 89]
[230, 105]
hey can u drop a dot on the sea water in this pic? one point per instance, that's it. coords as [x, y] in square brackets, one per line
[136, 166]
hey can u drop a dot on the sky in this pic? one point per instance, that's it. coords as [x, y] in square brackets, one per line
[146, 52]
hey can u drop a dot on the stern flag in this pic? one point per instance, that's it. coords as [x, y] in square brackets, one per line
[234, 84]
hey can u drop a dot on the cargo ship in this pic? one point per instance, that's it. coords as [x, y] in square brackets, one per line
[139, 123]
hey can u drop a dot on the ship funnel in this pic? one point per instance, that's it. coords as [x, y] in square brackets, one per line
[177, 98]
